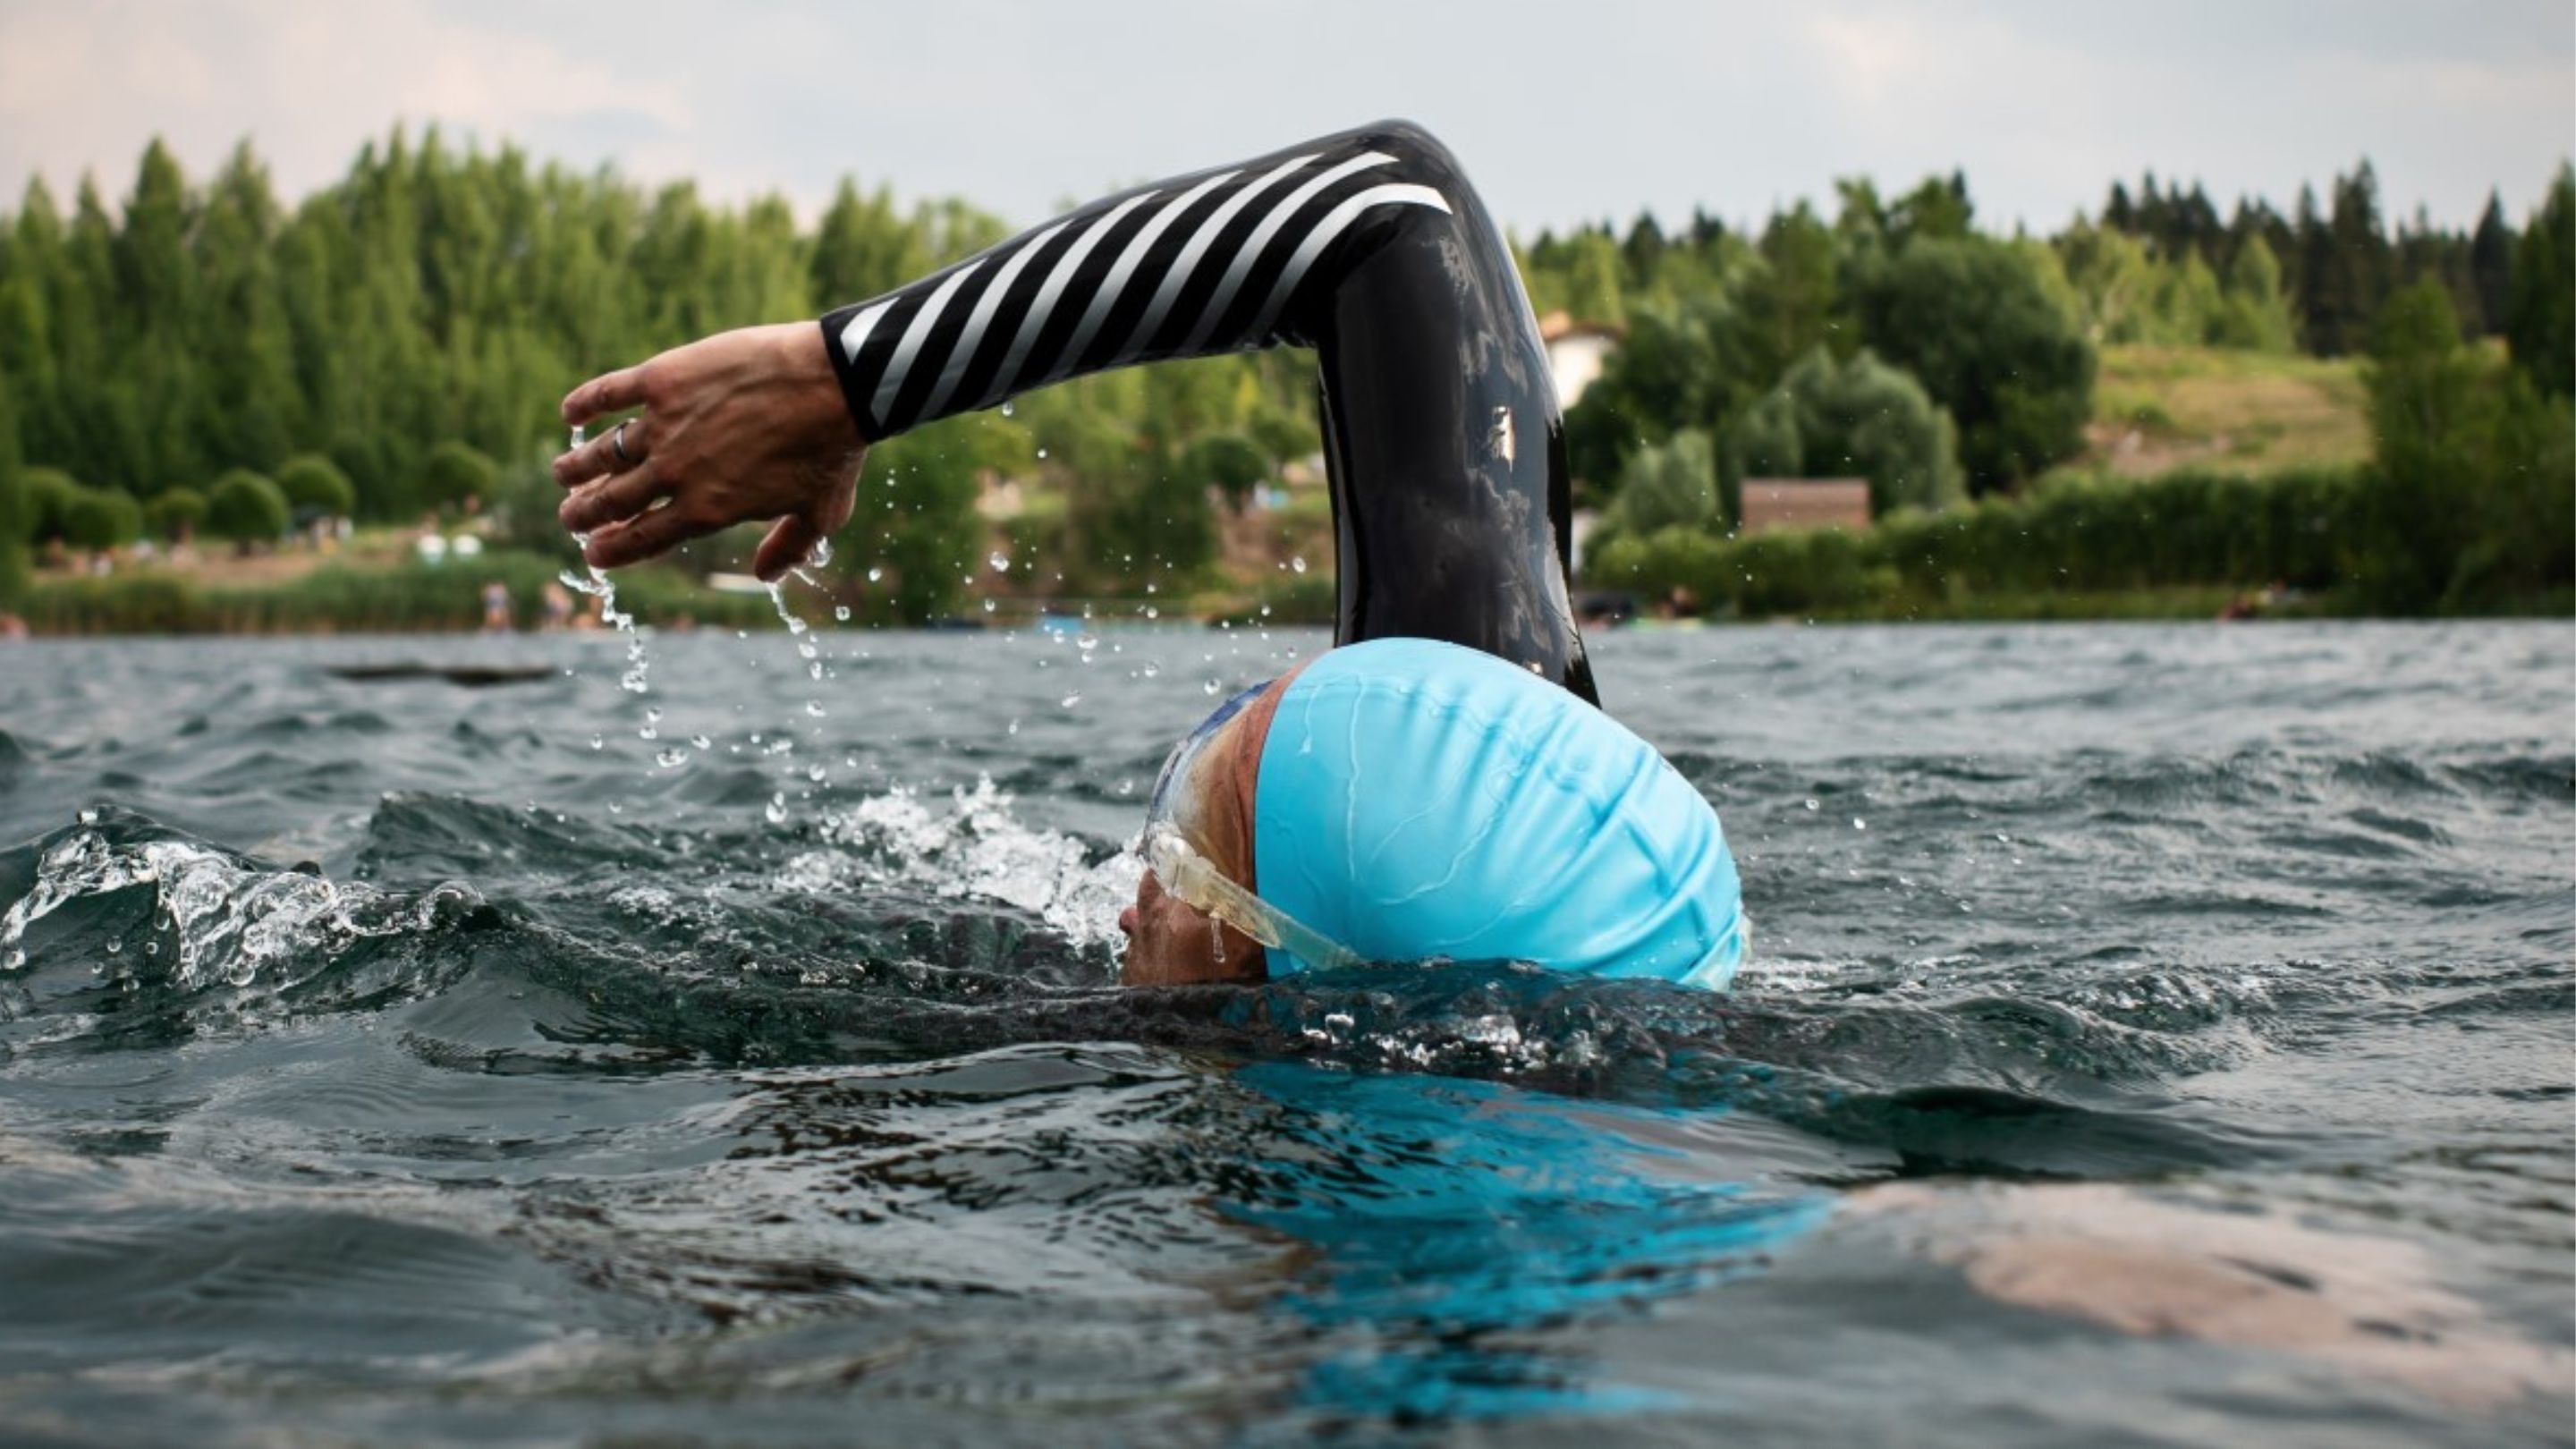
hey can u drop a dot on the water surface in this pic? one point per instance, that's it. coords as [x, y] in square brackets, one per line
[401, 1062]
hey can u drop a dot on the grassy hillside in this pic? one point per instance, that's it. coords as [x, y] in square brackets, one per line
[2159, 408]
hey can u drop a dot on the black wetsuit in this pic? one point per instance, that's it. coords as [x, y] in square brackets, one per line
[1441, 432]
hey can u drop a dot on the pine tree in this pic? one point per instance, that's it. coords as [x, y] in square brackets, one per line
[2491, 266]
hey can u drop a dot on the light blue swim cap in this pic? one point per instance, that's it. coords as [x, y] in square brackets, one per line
[1421, 799]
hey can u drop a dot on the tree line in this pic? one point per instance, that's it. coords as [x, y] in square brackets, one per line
[206, 356]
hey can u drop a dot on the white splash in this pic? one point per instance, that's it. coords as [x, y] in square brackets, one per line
[229, 920]
[975, 847]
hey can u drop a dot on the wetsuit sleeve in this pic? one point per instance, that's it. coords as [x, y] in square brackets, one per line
[1215, 261]
[1450, 495]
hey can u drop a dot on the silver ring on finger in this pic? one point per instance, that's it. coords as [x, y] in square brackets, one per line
[617, 442]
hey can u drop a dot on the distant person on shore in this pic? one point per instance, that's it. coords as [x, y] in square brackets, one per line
[496, 607]
[1440, 784]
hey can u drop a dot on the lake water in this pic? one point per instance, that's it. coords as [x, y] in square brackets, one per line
[2153, 1035]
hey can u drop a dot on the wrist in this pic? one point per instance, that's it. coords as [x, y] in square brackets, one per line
[802, 361]
[846, 382]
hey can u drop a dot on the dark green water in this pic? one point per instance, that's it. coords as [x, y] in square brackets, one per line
[406, 1063]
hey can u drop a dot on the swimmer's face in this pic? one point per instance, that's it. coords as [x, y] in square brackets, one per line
[1173, 943]
[1169, 941]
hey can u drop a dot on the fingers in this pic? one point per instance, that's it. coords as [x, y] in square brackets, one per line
[608, 393]
[613, 500]
[789, 543]
[599, 457]
[645, 536]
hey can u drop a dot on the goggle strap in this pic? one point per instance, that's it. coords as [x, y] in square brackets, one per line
[1190, 875]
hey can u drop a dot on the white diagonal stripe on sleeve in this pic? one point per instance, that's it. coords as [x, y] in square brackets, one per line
[963, 356]
[855, 336]
[1187, 262]
[1261, 236]
[1128, 260]
[1057, 280]
[1335, 222]
[890, 382]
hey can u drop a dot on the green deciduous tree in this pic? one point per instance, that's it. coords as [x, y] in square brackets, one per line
[1974, 321]
[2470, 498]
[2255, 314]
[1854, 419]
[1672, 484]
[2542, 325]
[1685, 364]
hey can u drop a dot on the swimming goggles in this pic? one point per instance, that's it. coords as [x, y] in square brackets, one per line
[1174, 846]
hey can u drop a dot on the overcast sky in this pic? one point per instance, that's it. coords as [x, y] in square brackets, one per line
[1562, 111]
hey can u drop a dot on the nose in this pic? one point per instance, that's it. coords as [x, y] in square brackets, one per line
[1127, 921]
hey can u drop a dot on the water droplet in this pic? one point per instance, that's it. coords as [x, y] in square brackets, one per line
[814, 708]
[700, 742]
[1007, 407]
[1000, 561]
[841, 613]
[1859, 824]
[1298, 563]
[876, 576]
[598, 742]
[1041, 455]
[1071, 700]
[580, 435]
[988, 606]
[1815, 805]
[776, 812]
[670, 756]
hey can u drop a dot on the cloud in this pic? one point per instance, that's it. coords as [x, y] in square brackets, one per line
[1563, 114]
[88, 86]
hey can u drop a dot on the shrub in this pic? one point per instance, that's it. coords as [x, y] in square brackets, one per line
[98, 519]
[455, 473]
[46, 495]
[1229, 462]
[2074, 535]
[175, 513]
[246, 508]
[315, 485]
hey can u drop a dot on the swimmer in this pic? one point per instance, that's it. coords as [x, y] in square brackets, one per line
[1443, 782]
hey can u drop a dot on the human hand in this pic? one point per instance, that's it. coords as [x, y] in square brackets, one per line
[743, 425]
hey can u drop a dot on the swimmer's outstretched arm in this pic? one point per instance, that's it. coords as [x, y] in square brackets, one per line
[1441, 420]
